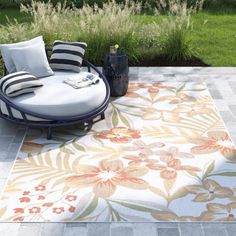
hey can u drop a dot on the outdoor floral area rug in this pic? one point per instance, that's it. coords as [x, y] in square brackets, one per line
[162, 154]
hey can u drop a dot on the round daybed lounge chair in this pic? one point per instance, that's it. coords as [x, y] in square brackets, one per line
[57, 104]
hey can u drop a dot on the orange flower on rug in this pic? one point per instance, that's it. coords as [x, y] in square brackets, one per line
[216, 141]
[107, 176]
[119, 135]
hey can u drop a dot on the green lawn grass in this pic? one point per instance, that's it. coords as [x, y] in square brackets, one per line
[13, 14]
[212, 35]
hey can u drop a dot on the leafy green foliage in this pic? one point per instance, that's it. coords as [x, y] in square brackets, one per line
[141, 36]
[98, 27]
[209, 4]
[176, 45]
[175, 28]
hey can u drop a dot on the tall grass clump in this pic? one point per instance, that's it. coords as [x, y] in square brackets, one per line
[14, 31]
[175, 28]
[111, 24]
[51, 21]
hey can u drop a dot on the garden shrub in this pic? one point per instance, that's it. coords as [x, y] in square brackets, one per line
[175, 29]
[147, 4]
[175, 43]
[51, 21]
[98, 27]
[8, 4]
[112, 23]
[219, 3]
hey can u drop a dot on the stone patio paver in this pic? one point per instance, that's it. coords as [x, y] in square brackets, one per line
[168, 232]
[222, 84]
[122, 231]
[190, 229]
[95, 229]
[215, 231]
[51, 229]
[75, 229]
[228, 116]
[231, 229]
[9, 229]
[144, 229]
[30, 229]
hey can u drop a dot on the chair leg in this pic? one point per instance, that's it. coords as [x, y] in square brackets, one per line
[49, 133]
[89, 125]
[103, 116]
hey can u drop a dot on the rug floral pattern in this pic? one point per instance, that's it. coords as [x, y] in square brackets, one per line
[162, 154]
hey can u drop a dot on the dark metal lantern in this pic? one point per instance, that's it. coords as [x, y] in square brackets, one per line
[116, 70]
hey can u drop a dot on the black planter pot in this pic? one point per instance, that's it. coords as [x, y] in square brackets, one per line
[116, 70]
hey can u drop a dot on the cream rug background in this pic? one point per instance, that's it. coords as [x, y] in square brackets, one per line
[162, 154]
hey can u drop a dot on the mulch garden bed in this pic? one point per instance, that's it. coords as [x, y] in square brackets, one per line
[163, 61]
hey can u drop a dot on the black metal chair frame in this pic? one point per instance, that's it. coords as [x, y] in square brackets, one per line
[54, 121]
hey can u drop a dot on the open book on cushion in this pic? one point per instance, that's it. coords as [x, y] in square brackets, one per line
[83, 79]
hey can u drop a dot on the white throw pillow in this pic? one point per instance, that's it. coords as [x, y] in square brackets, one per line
[32, 59]
[6, 55]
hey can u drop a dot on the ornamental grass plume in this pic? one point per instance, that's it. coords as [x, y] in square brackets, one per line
[51, 21]
[99, 27]
[110, 24]
[174, 29]
[107, 25]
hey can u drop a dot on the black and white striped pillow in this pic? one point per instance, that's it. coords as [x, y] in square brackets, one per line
[19, 83]
[67, 55]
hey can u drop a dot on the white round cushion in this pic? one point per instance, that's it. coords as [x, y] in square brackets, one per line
[58, 99]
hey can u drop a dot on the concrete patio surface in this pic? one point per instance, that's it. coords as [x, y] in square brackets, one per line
[222, 85]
